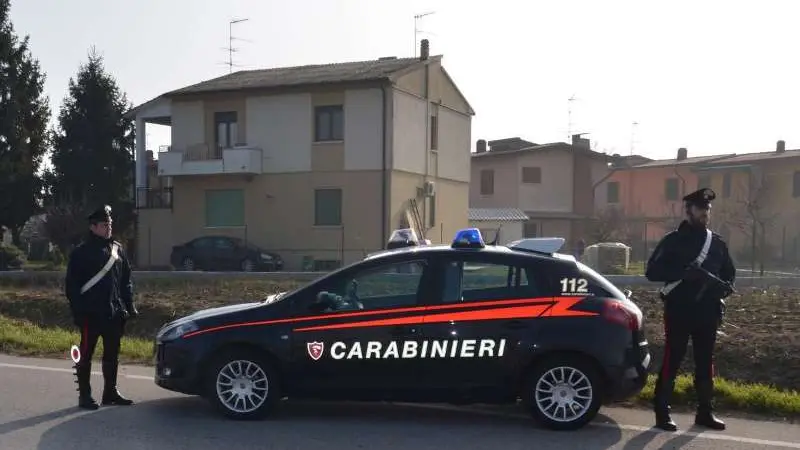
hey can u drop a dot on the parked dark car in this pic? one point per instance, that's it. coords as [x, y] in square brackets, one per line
[223, 253]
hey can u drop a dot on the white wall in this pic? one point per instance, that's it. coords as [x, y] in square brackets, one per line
[281, 125]
[188, 124]
[363, 130]
[410, 137]
[455, 137]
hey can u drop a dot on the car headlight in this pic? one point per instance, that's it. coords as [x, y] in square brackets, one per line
[266, 257]
[175, 331]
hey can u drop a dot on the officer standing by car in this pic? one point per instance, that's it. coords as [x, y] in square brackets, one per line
[696, 267]
[99, 288]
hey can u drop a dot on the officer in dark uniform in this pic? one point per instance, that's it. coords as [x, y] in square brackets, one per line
[100, 292]
[698, 274]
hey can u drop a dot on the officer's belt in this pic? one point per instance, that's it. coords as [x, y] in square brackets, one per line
[99, 275]
[699, 260]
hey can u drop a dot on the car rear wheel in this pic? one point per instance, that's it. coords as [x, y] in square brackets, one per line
[242, 385]
[564, 392]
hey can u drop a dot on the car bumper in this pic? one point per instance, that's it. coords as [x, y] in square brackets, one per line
[627, 381]
[176, 369]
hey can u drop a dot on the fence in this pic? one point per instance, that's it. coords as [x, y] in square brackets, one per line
[621, 281]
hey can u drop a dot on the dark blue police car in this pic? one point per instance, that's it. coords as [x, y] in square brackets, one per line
[460, 323]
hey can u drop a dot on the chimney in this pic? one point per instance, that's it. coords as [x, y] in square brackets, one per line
[149, 155]
[682, 154]
[781, 147]
[424, 50]
[481, 146]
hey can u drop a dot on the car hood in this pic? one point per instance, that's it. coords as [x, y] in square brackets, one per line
[211, 312]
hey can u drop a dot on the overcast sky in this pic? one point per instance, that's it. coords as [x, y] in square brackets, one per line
[712, 76]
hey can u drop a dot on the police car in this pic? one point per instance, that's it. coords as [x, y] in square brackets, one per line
[460, 323]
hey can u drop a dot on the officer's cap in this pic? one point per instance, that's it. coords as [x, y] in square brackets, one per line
[701, 197]
[102, 214]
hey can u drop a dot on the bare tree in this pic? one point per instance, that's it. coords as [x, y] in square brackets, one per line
[610, 224]
[749, 211]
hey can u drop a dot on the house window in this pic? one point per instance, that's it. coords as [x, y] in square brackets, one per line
[531, 175]
[796, 184]
[671, 189]
[327, 207]
[612, 192]
[226, 133]
[225, 208]
[726, 185]
[434, 132]
[487, 182]
[329, 123]
[530, 229]
[703, 181]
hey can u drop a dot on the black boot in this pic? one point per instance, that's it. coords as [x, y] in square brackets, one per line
[705, 410]
[111, 395]
[83, 374]
[663, 392]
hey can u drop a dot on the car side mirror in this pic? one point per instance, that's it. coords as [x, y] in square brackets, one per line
[323, 301]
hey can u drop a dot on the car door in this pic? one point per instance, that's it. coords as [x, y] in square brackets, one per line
[483, 321]
[224, 254]
[367, 348]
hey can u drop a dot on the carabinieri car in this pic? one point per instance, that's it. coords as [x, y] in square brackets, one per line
[460, 323]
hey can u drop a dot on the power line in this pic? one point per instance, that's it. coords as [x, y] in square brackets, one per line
[230, 47]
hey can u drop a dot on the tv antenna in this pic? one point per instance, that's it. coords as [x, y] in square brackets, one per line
[569, 116]
[416, 30]
[230, 48]
[633, 135]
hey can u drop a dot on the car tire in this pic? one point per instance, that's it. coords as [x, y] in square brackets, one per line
[256, 396]
[581, 388]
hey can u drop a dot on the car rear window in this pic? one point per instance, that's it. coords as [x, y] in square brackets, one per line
[598, 284]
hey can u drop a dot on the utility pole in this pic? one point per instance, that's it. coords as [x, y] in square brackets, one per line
[416, 30]
[230, 48]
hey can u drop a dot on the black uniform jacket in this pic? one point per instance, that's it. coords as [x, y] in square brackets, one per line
[112, 296]
[676, 251]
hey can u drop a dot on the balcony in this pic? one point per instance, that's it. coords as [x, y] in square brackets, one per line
[205, 160]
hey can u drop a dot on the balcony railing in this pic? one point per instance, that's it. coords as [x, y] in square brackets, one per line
[154, 198]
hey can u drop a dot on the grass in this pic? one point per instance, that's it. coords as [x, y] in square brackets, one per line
[24, 338]
[758, 369]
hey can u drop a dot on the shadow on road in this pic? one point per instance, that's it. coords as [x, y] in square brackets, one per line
[190, 423]
[10, 427]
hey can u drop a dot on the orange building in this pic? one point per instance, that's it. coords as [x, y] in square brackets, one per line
[648, 193]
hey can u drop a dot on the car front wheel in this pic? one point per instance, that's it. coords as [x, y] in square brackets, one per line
[242, 385]
[563, 392]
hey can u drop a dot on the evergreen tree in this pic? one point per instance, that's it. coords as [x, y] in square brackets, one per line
[24, 114]
[93, 146]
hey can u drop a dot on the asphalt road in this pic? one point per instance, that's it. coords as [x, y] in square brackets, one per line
[37, 411]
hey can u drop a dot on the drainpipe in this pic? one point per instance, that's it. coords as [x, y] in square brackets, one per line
[384, 178]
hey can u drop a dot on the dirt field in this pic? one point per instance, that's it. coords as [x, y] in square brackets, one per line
[761, 341]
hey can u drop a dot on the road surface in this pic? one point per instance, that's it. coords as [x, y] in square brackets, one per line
[38, 397]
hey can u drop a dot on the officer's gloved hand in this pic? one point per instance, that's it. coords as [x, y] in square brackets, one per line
[133, 312]
[693, 272]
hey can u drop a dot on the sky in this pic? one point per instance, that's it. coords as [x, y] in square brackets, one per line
[712, 76]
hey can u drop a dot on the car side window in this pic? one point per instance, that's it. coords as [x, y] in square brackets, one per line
[467, 281]
[387, 286]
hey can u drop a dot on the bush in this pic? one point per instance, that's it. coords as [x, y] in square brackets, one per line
[11, 257]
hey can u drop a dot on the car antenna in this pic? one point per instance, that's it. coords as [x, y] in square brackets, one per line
[496, 236]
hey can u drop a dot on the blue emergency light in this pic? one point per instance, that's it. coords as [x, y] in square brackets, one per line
[468, 238]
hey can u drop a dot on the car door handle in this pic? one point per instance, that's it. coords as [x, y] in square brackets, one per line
[515, 324]
[403, 330]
